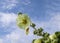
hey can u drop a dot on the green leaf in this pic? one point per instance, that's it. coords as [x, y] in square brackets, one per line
[57, 34]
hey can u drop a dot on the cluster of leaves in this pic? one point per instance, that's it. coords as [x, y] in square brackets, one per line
[46, 37]
[53, 39]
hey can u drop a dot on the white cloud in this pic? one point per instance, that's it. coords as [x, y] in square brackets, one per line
[1, 40]
[7, 22]
[9, 4]
[7, 18]
[54, 23]
[13, 37]
[19, 36]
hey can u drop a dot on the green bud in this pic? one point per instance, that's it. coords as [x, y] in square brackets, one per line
[47, 41]
[33, 25]
[35, 32]
[39, 33]
[19, 13]
[27, 31]
[40, 29]
[46, 34]
[33, 40]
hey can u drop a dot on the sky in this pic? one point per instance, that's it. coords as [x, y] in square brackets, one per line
[44, 13]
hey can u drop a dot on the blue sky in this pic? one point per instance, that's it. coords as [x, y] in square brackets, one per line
[44, 13]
